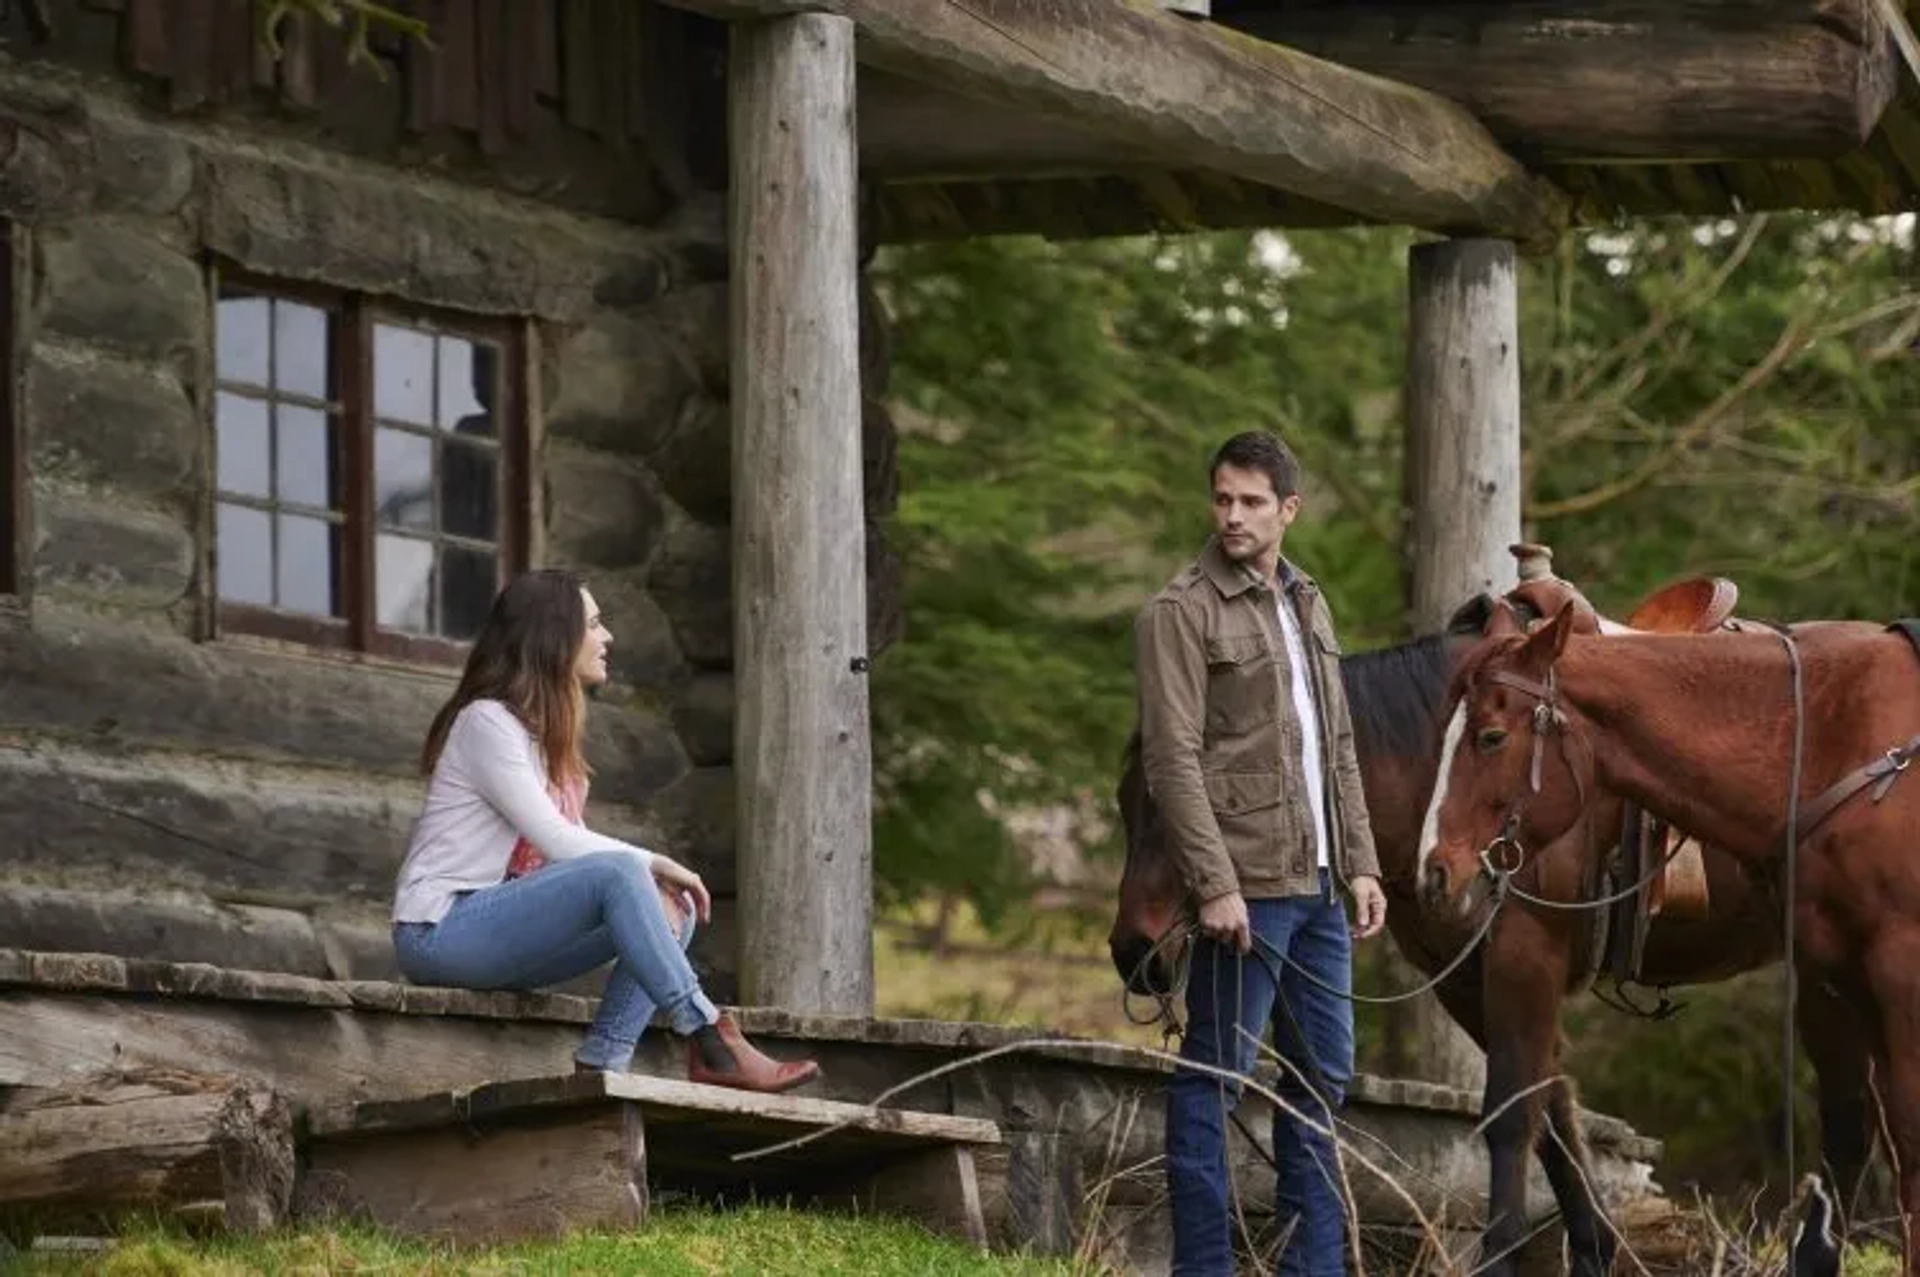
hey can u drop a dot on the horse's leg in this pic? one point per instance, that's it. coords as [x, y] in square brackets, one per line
[1893, 975]
[1563, 1152]
[1834, 1041]
[1560, 1145]
[1525, 976]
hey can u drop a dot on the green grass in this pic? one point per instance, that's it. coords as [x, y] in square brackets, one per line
[1052, 973]
[757, 1241]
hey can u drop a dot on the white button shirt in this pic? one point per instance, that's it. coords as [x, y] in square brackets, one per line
[1310, 743]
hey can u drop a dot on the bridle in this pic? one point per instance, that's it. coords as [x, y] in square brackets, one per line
[1504, 856]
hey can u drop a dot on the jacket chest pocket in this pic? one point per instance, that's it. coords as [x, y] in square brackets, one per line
[1326, 650]
[1241, 683]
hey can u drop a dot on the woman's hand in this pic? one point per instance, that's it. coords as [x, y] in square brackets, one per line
[676, 875]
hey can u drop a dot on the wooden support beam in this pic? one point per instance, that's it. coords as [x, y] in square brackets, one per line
[540, 1156]
[1463, 492]
[915, 132]
[1571, 80]
[1127, 203]
[1463, 423]
[468, 1184]
[1198, 95]
[802, 753]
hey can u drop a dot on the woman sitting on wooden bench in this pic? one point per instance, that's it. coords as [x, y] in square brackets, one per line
[504, 887]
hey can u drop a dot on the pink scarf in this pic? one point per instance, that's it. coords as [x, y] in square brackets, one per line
[571, 799]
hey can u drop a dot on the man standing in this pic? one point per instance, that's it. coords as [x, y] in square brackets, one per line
[1248, 751]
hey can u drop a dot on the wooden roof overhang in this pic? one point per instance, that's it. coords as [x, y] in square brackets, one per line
[1072, 118]
[1511, 118]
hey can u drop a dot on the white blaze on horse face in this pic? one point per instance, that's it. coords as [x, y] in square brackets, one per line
[1614, 627]
[1430, 831]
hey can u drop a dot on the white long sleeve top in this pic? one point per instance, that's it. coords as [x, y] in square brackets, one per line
[488, 791]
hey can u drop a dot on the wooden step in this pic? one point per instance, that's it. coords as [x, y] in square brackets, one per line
[544, 1155]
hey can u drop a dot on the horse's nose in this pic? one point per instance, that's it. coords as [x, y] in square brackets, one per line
[1129, 958]
[1433, 885]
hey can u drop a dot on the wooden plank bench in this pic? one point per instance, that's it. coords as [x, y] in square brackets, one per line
[544, 1155]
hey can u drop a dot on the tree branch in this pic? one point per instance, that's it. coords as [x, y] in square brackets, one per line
[1793, 339]
[361, 15]
[1668, 316]
[1312, 455]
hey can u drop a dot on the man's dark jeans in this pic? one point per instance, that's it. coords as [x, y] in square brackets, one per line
[1313, 1031]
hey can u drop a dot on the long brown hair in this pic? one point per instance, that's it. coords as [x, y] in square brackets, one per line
[525, 658]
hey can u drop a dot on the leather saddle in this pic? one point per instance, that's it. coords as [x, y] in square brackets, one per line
[1697, 605]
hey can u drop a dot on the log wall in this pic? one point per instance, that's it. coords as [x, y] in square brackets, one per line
[170, 793]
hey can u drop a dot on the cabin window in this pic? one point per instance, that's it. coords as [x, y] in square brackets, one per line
[370, 486]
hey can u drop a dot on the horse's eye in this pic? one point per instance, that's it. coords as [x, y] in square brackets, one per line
[1490, 739]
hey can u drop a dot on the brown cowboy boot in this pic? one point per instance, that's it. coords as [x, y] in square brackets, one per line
[720, 1055]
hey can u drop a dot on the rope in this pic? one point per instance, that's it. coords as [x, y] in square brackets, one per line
[1183, 967]
[1575, 906]
[1790, 979]
[1502, 890]
[1501, 887]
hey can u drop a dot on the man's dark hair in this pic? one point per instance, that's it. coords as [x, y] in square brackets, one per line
[1259, 450]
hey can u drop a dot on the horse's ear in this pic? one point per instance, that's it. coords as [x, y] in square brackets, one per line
[1545, 644]
[1501, 619]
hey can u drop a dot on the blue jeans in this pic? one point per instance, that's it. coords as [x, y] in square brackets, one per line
[1313, 1033]
[558, 922]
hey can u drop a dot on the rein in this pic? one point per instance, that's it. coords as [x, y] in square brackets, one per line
[1188, 929]
[1548, 717]
[1789, 977]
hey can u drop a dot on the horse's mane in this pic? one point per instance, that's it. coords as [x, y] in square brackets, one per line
[1397, 695]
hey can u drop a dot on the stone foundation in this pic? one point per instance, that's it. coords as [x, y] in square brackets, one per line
[1081, 1120]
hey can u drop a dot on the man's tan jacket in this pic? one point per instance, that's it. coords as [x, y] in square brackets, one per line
[1221, 741]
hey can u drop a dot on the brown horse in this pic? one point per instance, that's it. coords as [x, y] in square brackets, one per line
[1702, 732]
[1507, 996]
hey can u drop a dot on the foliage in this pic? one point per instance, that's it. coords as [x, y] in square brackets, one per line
[694, 1243]
[359, 17]
[1736, 397]
[1057, 405]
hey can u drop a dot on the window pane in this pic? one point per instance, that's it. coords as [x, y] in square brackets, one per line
[243, 546]
[240, 439]
[467, 387]
[469, 489]
[403, 374]
[241, 340]
[402, 479]
[306, 451]
[306, 576]
[467, 580]
[403, 583]
[300, 349]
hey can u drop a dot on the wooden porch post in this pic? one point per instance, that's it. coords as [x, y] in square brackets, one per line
[1463, 422]
[802, 755]
[1463, 484]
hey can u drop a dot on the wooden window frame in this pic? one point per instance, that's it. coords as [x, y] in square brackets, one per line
[350, 395]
